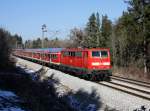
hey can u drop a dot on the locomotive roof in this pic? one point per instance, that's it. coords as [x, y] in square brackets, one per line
[85, 49]
[45, 50]
[55, 49]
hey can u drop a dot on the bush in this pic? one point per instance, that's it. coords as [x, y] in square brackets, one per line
[5, 50]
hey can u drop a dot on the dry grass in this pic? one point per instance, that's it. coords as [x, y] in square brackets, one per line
[132, 73]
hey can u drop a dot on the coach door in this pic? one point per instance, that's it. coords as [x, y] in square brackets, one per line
[85, 59]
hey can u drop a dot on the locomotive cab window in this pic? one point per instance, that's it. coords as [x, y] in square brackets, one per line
[95, 53]
[104, 54]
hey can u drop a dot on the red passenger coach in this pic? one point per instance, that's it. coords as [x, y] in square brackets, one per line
[88, 63]
[48, 55]
[55, 55]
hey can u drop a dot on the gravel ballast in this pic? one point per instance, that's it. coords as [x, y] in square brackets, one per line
[110, 97]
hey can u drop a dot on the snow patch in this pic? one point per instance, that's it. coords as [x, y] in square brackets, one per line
[7, 94]
[29, 71]
[9, 101]
[74, 103]
[11, 109]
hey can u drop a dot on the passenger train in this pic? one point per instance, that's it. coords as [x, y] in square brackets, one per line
[91, 64]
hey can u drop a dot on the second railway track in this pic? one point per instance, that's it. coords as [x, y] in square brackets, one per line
[131, 81]
[136, 88]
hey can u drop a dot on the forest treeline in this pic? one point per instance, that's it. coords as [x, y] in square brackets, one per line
[128, 37]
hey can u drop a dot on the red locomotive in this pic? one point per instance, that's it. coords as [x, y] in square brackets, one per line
[93, 64]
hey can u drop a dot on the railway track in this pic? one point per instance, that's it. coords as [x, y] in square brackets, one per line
[131, 81]
[133, 87]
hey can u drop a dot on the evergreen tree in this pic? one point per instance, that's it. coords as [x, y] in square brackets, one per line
[92, 32]
[106, 30]
[99, 38]
[98, 20]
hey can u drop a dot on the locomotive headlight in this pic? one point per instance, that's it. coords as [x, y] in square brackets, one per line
[95, 63]
[98, 63]
[106, 63]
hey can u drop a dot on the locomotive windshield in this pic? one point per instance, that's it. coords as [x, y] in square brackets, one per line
[99, 54]
[95, 53]
[104, 53]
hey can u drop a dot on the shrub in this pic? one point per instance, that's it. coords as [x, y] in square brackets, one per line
[5, 50]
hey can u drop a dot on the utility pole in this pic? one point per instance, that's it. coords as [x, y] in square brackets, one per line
[43, 31]
[42, 45]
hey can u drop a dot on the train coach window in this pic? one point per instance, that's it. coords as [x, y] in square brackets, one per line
[95, 54]
[104, 54]
[69, 53]
[65, 53]
[72, 53]
[49, 56]
[78, 54]
[54, 56]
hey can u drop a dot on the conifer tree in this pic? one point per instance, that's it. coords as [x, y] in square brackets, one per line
[92, 32]
[106, 30]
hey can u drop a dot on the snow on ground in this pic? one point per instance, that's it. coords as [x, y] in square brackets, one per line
[9, 101]
[11, 109]
[7, 94]
[110, 97]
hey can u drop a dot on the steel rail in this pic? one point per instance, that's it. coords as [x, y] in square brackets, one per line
[129, 87]
[125, 91]
[140, 83]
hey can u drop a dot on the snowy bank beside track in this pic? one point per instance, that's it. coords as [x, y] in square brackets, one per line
[116, 99]
[28, 64]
